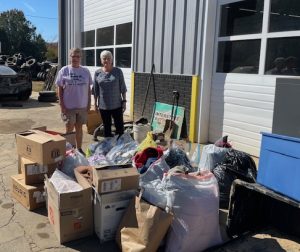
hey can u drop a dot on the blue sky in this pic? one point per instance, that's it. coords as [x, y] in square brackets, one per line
[43, 14]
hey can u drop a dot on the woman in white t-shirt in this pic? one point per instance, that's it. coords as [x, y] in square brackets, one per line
[74, 92]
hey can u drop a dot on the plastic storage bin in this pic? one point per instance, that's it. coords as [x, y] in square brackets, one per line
[279, 164]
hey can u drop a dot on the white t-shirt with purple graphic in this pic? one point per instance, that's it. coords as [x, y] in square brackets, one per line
[75, 82]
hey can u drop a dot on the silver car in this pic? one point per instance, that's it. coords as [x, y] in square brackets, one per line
[14, 84]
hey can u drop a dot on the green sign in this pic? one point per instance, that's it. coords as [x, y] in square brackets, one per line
[162, 112]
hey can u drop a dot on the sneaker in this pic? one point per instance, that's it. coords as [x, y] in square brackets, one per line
[81, 151]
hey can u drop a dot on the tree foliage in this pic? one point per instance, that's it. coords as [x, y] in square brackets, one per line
[18, 35]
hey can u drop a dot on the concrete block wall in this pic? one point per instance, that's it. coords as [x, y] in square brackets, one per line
[164, 86]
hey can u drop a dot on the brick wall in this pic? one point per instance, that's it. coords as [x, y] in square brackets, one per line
[164, 85]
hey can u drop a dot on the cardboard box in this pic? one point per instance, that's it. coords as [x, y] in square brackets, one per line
[41, 147]
[70, 214]
[31, 197]
[33, 172]
[109, 179]
[93, 121]
[70, 137]
[108, 212]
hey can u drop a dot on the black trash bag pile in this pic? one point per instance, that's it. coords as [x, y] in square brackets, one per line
[236, 165]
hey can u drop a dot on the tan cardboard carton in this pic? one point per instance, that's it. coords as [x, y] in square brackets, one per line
[70, 214]
[31, 197]
[33, 172]
[40, 146]
[109, 179]
[70, 137]
[93, 121]
[108, 211]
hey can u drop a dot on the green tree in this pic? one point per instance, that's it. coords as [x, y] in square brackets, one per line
[17, 34]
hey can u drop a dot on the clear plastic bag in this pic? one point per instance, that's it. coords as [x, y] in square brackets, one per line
[123, 152]
[211, 156]
[73, 159]
[63, 183]
[194, 201]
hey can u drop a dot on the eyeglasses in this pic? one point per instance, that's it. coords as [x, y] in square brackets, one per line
[75, 56]
[105, 58]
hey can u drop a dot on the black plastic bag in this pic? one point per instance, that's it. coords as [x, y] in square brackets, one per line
[236, 165]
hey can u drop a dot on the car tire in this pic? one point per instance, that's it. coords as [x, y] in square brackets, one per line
[24, 96]
[47, 93]
[47, 98]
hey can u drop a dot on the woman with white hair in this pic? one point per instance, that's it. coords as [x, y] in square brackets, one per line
[110, 94]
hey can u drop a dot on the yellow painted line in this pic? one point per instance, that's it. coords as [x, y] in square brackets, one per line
[193, 108]
[132, 96]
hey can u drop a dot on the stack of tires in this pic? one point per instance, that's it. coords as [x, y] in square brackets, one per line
[47, 96]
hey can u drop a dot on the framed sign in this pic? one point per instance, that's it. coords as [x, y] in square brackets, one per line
[162, 112]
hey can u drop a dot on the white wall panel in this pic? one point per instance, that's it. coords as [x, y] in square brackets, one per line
[241, 107]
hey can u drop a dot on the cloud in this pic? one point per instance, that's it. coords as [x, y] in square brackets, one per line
[29, 7]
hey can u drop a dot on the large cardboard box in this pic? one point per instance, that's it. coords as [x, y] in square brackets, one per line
[40, 146]
[70, 137]
[70, 214]
[93, 121]
[31, 197]
[107, 179]
[33, 172]
[108, 212]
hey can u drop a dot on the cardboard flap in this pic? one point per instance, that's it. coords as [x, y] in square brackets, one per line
[111, 167]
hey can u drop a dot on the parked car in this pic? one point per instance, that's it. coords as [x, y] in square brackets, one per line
[15, 84]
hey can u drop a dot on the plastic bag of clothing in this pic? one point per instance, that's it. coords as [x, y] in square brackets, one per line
[102, 147]
[194, 201]
[63, 183]
[211, 156]
[123, 152]
[98, 160]
[155, 171]
[175, 156]
[73, 159]
[195, 159]
[236, 165]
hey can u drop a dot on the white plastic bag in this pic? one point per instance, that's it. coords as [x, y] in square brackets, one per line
[211, 156]
[73, 159]
[194, 201]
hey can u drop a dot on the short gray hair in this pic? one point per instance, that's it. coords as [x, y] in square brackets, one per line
[105, 54]
[75, 50]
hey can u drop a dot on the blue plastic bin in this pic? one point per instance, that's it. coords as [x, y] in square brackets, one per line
[279, 164]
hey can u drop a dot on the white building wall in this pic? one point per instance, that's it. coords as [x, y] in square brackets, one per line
[102, 13]
[241, 107]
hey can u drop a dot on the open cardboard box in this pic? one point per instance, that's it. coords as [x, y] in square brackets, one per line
[70, 214]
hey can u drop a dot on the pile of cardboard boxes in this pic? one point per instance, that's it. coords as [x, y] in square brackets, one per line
[98, 207]
[38, 154]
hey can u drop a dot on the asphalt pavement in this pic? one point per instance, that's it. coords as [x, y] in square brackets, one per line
[20, 229]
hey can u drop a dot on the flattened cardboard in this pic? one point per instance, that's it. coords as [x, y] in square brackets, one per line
[33, 172]
[109, 179]
[40, 146]
[70, 214]
[108, 212]
[31, 197]
[93, 121]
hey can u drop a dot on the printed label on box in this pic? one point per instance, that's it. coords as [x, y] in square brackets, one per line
[111, 185]
[36, 169]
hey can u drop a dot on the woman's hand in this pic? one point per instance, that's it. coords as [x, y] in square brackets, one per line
[123, 106]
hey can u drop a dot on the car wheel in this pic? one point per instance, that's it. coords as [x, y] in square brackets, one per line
[47, 98]
[47, 93]
[24, 96]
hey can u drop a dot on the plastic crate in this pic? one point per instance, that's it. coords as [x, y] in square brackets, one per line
[279, 164]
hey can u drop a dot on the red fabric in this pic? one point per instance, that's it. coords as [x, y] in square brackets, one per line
[141, 158]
